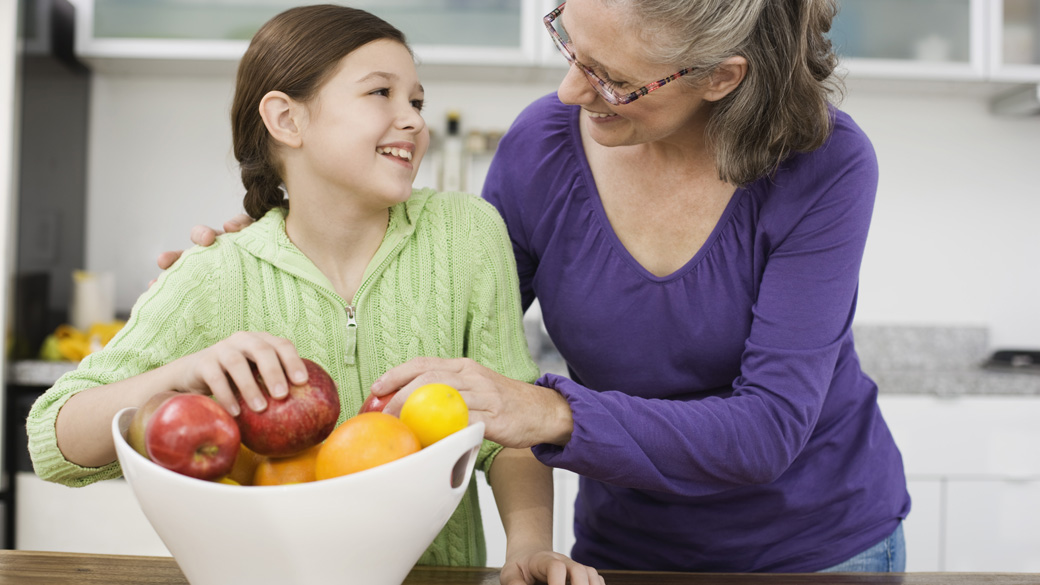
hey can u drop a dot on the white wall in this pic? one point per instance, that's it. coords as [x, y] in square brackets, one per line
[955, 227]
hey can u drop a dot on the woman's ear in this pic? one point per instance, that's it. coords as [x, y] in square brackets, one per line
[281, 115]
[726, 77]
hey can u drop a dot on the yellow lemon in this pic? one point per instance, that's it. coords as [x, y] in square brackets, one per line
[434, 411]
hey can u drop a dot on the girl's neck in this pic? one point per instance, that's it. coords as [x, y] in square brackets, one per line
[339, 241]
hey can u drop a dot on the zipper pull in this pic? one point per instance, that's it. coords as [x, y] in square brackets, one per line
[351, 335]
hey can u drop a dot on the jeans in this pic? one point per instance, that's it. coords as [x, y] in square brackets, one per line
[887, 556]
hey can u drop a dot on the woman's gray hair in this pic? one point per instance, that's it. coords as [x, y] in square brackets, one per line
[782, 106]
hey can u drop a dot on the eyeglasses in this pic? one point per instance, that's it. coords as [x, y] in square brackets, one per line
[603, 87]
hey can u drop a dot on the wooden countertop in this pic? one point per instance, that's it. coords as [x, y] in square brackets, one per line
[53, 568]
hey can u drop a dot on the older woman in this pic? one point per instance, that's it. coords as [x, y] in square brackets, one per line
[690, 212]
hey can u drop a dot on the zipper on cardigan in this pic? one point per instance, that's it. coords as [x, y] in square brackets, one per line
[351, 341]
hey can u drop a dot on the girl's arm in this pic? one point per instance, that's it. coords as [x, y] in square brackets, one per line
[82, 424]
[523, 489]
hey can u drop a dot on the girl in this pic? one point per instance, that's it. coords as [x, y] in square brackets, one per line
[346, 265]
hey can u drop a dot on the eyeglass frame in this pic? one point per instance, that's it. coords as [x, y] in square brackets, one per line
[594, 80]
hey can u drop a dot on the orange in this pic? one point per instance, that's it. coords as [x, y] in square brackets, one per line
[365, 441]
[244, 468]
[434, 411]
[298, 468]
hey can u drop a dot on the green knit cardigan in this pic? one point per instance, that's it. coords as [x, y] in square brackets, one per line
[443, 283]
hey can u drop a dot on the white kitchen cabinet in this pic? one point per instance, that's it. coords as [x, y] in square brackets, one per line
[945, 40]
[993, 525]
[923, 529]
[913, 39]
[116, 34]
[1015, 40]
[101, 518]
[973, 474]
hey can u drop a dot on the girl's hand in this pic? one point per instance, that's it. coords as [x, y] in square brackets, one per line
[547, 567]
[212, 370]
[204, 236]
[515, 414]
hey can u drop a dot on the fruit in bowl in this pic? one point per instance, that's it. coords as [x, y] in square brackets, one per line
[295, 423]
[138, 425]
[362, 442]
[317, 532]
[376, 403]
[434, 411]
[192, 435]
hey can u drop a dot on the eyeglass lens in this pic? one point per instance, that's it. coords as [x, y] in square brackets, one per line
[562, 41]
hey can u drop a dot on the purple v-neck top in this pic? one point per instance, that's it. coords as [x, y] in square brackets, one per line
[721, 418]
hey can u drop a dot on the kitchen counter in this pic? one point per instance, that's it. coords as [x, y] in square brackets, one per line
[52, 568]
[944, 361]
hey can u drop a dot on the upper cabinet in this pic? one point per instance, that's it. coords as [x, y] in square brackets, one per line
[974, 40]
[919, 39]
[980, 40]
[473, 32]
[1015, 40]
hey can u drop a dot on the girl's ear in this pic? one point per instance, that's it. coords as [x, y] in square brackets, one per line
[727, 76]
[281, 115]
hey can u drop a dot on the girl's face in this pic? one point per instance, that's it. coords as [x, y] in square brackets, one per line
[363, 133]
[603, 41]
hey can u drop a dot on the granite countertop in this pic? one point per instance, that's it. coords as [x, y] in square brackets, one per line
[938, 361]
[919, 360]
[942, 361]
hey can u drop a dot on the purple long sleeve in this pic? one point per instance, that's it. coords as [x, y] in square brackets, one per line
[721, 419]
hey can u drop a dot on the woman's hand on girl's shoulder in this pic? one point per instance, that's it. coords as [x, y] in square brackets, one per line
[202, 235]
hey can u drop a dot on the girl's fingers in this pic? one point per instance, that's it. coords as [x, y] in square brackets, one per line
[291, 362]
[240, 372]
[216, 381]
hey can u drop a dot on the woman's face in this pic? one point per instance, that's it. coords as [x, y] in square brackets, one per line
[603, 40]
[364, 133]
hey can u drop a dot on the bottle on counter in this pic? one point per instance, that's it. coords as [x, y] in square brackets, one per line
[452, 163]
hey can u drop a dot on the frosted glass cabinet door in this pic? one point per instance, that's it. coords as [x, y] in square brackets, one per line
[1015, 40]
[440, 30]
[938, 39]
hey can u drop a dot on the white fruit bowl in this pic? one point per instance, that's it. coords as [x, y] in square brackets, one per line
[367, 528]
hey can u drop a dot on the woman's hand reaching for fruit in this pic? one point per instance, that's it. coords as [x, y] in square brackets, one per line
[515, 414]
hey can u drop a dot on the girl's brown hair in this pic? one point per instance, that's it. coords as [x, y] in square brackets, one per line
[294, 52]
[783, 104]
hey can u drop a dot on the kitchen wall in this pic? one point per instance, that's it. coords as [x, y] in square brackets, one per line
[955, 228]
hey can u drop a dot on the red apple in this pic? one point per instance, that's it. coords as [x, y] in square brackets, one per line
[294, 423]
[193, 435]
[376, 403]
[139, 422]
